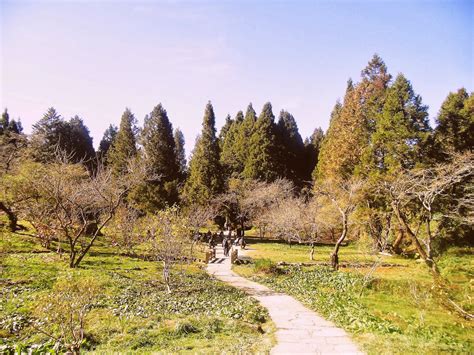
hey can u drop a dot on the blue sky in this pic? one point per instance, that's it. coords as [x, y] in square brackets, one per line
[94, 58]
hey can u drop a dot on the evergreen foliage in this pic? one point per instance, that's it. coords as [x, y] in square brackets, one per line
[455, 124]
[124, 147]
[402, 131]
[180, 154]
[225, 128]
[262, 162]
[52, 133]
[345, 140]
[205, 173]
[231, 158]
[9, 126]
[160, 157]
[291, 149]
[49, 134]
[312, 146]
[107, 141]
[79, 141]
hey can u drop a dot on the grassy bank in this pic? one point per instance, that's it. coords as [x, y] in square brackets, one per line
[132, 311]
[389, 310]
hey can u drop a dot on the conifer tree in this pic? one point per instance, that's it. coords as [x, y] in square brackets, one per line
[374, 85]
[231, 159]
[4, 121]
[180, 153]
[9, 126]
[160, 156]
[124, 147]
[402, 131]
[262, 161]
[291, 149]
[345, 140]
[205, 173]
[312, 147]
[49, 134]
[242, 137]
[79, 142]
[107, 141]
[225, 128]
[455, 124]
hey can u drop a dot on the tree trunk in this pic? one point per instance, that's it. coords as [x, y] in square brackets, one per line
[12, 218]
[406, 228]
[335, 253]
[311, 253]
[166, 275]
[398, 241]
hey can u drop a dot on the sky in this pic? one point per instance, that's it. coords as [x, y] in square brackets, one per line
[95, 58]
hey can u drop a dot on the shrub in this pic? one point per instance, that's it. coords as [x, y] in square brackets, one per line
[265, 266]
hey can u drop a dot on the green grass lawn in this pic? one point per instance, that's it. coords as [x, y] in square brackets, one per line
[133, 313]
[387, 310]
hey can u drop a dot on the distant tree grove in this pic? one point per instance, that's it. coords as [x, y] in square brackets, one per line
[380, 169]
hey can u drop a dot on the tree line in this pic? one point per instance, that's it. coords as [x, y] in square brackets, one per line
[379, 171]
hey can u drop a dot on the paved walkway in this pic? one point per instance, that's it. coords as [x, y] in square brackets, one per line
[299, 330]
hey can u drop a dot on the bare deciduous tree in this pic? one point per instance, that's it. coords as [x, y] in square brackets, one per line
[417, 198]
[344, 196]
[168, 236]
[62, 313]
[75, 204]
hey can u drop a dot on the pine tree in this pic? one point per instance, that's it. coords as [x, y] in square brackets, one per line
[107, 141]
[262, 161]
[231, 159]
[242, 138]
[402, 131]
[290, 148]
[159, 145]
[124, 147]
[49, 134]
[455, 124]
[345, 140]
[79, 142]
[312, 147]
[160, 156]
[374, 85]
[225, 128]
[9, 126]
[4, 121]
[180, 154]
[205, 172]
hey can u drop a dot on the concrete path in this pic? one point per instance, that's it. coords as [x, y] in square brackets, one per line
[299, 330]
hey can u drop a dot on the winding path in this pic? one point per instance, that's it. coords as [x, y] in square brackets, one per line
[299, 330]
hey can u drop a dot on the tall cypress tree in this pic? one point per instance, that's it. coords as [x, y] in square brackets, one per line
[455, 124]
[402, 131]
[262, 161]
[205, 172]
[159, 145]
[180, 153]
[160, 156]
[79, 141]
[49, 134]
[242, 137]
[106, 143]
[312, 147]
[231, 159]
[346, 138]
[223, 132]
[374, 85]
[291, 149]
[124, 147]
